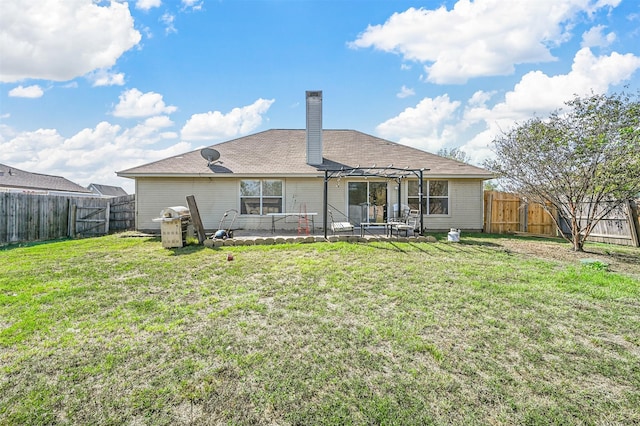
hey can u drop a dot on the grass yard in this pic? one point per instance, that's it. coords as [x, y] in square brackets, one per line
[494, 330]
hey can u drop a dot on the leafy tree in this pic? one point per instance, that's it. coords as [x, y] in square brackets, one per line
[583, 162]
[455, 154]
[490, 185]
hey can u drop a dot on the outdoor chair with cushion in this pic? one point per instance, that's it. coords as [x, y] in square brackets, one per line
[411, 222]
[340, 226]
[413, 219]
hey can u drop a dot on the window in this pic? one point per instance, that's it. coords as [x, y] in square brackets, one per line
[435, 199]
[260, 196]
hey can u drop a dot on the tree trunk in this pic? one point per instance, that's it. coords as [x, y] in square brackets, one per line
[576, 238]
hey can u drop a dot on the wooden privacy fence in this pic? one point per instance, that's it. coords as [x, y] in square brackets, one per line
[507, 213]
[35, 217]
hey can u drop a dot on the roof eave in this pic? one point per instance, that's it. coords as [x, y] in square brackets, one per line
[319, 173]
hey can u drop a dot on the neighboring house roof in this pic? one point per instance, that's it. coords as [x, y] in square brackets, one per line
[13, 178]
[283, 152]
[107, 190]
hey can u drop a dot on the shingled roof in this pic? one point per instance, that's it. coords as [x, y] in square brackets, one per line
[106, 190]
[13, 178]
[283, 152]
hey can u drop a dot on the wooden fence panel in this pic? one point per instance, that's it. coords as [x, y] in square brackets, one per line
[617, 228]
[503, 213]
[507, 213]
[91, 217]
[122, 216]
[539, 221]
[37, 217]
[30, 217]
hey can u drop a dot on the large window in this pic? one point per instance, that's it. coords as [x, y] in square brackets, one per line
[260, 196]
[435, 199]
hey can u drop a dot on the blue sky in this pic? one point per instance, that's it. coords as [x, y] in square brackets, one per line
[89, 88]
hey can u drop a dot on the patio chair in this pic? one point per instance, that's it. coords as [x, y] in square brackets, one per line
[411, 222]
[340, 226]
[413, 219]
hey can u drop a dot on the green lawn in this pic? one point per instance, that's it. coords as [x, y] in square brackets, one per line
[117, 330]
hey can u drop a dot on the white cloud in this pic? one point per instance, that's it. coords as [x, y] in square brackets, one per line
[148, 4]
[427, 126]
[88, 36]
[26, 92]
[168, 20]
[596, 38]
[216, 125]
[440, 122]
[104, 77]
[192, 4]
[92, 155]
[405, 92]
[134, 103]
[158, 122]
[480, 98]
[539, 94]
[480, 38]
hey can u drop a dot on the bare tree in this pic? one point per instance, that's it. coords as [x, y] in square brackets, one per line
[455, 154]
[583, 162]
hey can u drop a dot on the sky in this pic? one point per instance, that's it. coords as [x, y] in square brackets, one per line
[90, 87]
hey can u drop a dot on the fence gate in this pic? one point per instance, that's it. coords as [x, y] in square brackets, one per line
[88, 221]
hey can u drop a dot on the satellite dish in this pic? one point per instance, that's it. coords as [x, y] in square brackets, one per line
[210, 155]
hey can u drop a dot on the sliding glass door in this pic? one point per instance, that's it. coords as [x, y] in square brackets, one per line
[367, 202]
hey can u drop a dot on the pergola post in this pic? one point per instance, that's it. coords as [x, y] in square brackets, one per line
[389, 172]
[420, 195]
[325, 213]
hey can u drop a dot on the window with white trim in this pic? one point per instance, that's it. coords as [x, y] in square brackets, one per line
[260, 196]
[435, 199]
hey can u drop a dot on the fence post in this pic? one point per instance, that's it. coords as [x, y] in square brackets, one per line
[72, 218]
[632, 223]
[488, 202]
[107, 212]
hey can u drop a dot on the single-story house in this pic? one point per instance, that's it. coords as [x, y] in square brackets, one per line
[357, 175]
[16, 180]
[106, 190]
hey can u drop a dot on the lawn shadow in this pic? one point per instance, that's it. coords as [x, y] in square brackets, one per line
[472, 239]
[468, 244]
[187, 249]
[23, 244]
[384, 245]
[625, 258]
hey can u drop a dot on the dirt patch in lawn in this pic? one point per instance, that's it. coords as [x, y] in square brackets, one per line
[621, 259]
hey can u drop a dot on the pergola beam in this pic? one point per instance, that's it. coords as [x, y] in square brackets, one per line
[388, 172]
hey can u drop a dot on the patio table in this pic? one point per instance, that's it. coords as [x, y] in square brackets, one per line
[281, 216]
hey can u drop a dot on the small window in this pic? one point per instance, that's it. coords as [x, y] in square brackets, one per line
[435, 199]
[260, 196]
